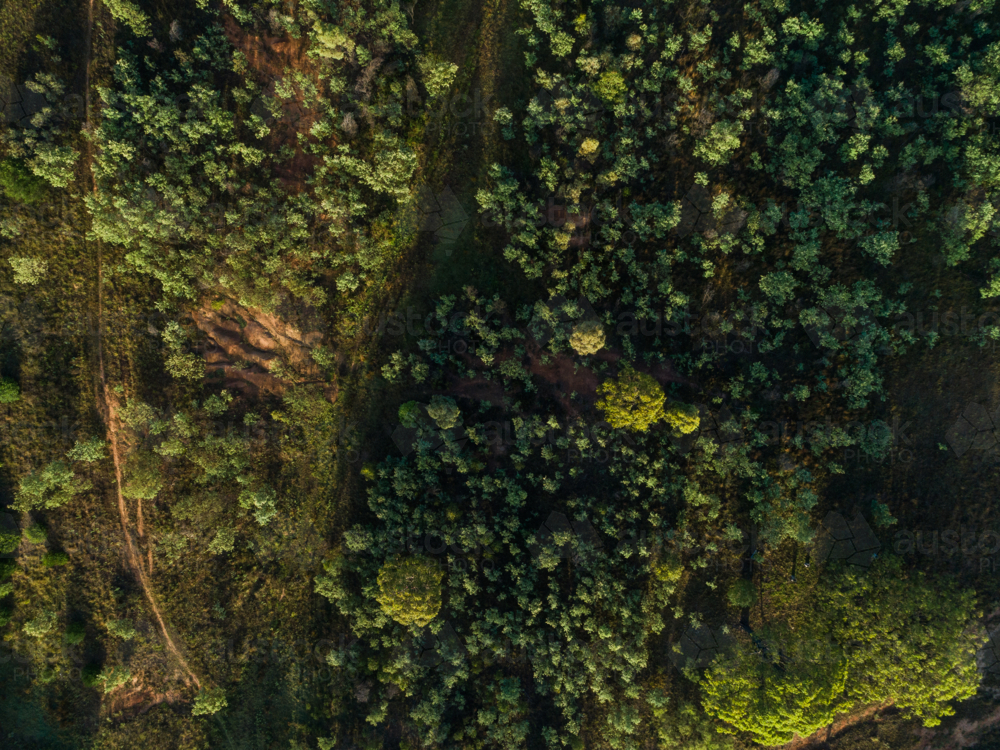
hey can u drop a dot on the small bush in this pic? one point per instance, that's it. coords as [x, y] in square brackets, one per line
[409, 414]
[122, 628]
[41, 624]
[262, 501]
[18, 184]
[10, 391]
[90, 675]
[668, 570]
[324, 357]
[742, 594]
[209, 701]
[9, 542]
[36, 534]
[6, 613]
[55, 559]
[7, 568]
[113, 677]
[75, 634]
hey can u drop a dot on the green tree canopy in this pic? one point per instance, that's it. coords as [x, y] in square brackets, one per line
[410, 590]
[445, 412]
[209, 701]
[774, 697]
[682, 417]
[588, 337]
[888, 638]
[632, 401]
[910, 640]
[52, 487]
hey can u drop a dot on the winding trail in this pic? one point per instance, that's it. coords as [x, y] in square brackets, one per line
[107, 406]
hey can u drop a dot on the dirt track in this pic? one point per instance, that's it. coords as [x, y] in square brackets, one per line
[107, 407]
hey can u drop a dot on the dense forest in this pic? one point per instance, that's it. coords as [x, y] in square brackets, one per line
[473, 374]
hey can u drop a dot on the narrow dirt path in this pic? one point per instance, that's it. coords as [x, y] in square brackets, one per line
[107, 406]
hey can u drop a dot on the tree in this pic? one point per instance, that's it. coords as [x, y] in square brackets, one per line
[588, 149]
[180, 364]
[779, 286]
[129, 14]
[718, 145]
[28, 270]
[610, 86]
[88, 451]
[911, 639]
[774, 697]
[124, 629]
[682, 417]
[52, 487]
[263, 501]
[445, 412]
[112, 678]
[409, 414]
[209, 701]
[142, 479]
[224, 541]
[588, 337]
[41, 624]
[437, 74]
[633, 401]
[53, 163]
[504, 719]
[410, 590]
[684, 725]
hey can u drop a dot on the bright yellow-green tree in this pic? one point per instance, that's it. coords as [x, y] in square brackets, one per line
[888, 638]
[911, 640]
[410, 590]
[588, 337]
[634, 401]
[755, 690]
[682, 417]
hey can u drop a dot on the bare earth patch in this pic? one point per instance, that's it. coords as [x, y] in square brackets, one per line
[244, 345]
